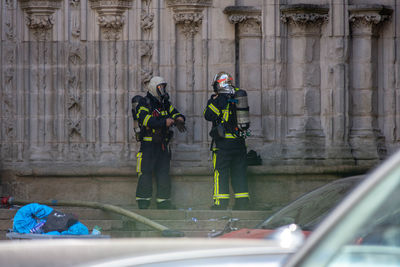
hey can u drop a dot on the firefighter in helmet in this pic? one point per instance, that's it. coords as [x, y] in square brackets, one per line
[156, 116]
[229, 154]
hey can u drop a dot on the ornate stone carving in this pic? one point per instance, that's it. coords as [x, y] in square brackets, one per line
[74, 3]
[7, 96]
[146, 46]
[146, 21]
[188, 14]
[190, 23]
[39, 15]
[74, 93]
[110, 17]
[368, 15]
[186, 3]
[9, 30]
[248, 18]
[111, 26]
[304, 14]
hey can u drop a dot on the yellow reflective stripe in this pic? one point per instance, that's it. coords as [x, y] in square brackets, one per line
[213, 108]
[221, 196]
[148, 138]
[143, 198]
[161, 200]
[242, 195]
[229, 135]
[164, 113]
[176, 114]
[139, 163]
[214, 160]
[225, 115]
[171, 108]
[216, 182]
[143, 108]
[146, 120]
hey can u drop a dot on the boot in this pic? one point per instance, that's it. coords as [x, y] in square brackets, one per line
[223, 205]
[143, 204]
[241, 204]
[165, 205]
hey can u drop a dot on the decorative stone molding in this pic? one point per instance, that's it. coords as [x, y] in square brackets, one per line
[248, 18]
[111, 18]
[368, 15]
[304, 14]
[147, 45]
[188, 13]
[146, 21]
[40, 15]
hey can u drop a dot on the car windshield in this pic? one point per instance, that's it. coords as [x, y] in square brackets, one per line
[369, 235]
[308, 210]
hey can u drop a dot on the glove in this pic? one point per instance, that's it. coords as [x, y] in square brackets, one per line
[180, 125]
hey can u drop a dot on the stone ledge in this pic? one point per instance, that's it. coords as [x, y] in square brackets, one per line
[90, 171]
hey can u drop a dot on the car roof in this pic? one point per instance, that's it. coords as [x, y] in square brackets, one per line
[84, 252]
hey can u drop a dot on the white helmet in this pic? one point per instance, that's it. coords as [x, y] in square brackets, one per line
[157, 87]
[222, 83]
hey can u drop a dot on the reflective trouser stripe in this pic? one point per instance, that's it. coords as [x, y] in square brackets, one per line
[159, 200]
[143, 198]
[217, 196]
[139, 163]
[148, 138]
[242, 195]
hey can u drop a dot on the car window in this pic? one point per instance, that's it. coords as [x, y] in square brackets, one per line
[369, 235]
[308, 210]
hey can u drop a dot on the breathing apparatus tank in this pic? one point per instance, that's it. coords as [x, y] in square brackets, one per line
[136, 126]
[242, 110]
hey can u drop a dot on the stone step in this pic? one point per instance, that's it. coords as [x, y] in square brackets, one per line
[193, 223]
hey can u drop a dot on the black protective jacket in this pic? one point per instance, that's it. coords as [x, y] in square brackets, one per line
[220, 112]
[152, 116]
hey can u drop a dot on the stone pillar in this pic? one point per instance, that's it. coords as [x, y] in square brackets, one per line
[366, 138]
[188, 17]
[305, 138]
[11, 93]
[41, 126]
[111, 102]
[335, 85]
[248, 21]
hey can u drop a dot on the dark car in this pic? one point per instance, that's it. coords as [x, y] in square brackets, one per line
[307, 211]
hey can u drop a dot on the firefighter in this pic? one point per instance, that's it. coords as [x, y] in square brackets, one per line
[229, 154]
[156, 116]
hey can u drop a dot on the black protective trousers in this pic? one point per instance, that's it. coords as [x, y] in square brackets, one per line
[230, 164]
[153, 158]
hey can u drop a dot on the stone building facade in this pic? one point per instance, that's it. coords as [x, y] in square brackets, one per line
[323, 79]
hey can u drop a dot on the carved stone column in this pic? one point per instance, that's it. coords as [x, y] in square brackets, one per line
[335, 87]
[305, 138]
[188, 17]
[41, 111]
[366, 138]
[111, 90]
[248, 21]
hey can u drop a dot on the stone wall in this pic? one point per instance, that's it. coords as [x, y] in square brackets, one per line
[322, 78]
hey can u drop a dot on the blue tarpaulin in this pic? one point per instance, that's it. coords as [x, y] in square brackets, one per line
[29, 215]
